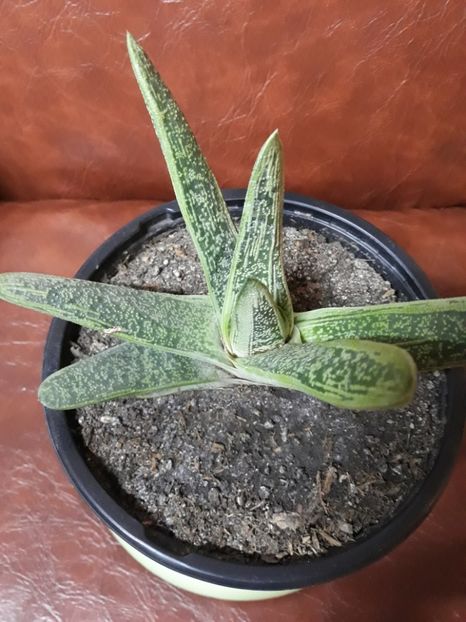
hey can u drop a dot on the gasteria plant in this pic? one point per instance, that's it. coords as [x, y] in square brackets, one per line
[244, 330]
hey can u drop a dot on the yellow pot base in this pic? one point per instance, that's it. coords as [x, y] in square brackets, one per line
[196, 586]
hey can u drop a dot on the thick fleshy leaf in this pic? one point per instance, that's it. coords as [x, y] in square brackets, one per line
[360, 375]
[258, 253]
[201, 202]
[180, 324]
[128, 370]
[433, 331]
[256, 323]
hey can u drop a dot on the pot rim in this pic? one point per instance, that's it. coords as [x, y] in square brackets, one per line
[163, 548]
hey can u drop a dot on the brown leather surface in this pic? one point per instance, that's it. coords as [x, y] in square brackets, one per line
[58, 563]
[368, 96]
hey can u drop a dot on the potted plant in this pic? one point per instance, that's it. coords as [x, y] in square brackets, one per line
[245, 334]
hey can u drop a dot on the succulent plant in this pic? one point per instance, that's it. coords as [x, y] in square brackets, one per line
[244, 330]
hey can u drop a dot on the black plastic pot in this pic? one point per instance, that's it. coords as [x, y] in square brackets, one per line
[410, 283]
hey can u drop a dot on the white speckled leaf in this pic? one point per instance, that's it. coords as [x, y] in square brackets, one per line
[180, 324]
[433, 331]
[360, 375]
[199, 197]
[256, 324]
[128, 370]
[258, 252]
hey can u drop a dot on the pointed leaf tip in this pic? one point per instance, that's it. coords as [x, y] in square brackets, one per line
[272, 142]
[131, 41]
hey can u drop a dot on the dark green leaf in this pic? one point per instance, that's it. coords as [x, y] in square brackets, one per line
[128, 370]
[199, 197]
[256, 323]
[433, 331]
[258, 252]
[360, 375]
[180, 324]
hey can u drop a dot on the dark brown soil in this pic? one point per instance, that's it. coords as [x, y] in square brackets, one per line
[267, 472]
